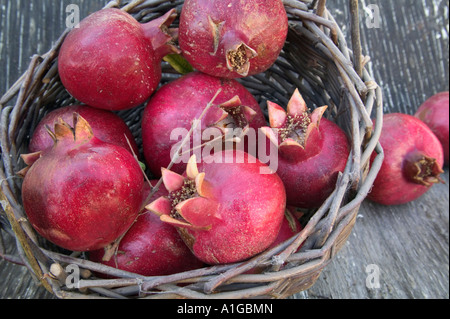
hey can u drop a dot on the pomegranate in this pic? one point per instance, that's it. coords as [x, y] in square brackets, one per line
[224, 209]
[312, 151]
[150, 247]
[234, 38]
[177, 104]
[112, 61]
[105, 125]
[413, 160]
[82, 193]
[289, 228]
[434, 113]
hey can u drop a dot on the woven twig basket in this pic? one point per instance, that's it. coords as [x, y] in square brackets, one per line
[317, 60]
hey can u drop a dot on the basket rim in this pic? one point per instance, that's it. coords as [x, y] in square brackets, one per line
[324, 234]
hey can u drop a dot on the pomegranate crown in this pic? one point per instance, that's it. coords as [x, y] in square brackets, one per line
[238, 53]
[422, 169]
[230, 115]
[190, 203]
[161, 35]
[292, 129]
[80, 133]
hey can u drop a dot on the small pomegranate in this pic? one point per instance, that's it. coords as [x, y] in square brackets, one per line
[105, 125]
[150, 247]
[413, 160]
[177, 104]
[112, 61]
[224, 209]
[234, 38]
[82, 193]
[434, 113]
[289, 228]
[312, 151]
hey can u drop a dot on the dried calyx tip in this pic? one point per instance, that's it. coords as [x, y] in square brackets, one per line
[423, 170]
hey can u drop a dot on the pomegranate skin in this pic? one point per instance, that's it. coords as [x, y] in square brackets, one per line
[232, 39]
[310, 181]
[112, 61]
[151, 247]
[289, 228]
[83, 193]
[177, 104]
[105, 125]
[435, 113]
[233, 212]
[312, 151]
[406, 141]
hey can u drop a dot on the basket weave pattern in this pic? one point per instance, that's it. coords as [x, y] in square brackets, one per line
[317, 60]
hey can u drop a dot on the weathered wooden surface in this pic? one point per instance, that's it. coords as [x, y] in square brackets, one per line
[409, 244]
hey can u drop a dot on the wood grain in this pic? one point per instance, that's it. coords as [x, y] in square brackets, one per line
[409, 58]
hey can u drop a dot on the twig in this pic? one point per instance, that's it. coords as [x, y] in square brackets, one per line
[356, 37]
[321, 7]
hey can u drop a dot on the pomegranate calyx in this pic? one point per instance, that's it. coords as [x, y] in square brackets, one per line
[277, 115]
[422, 170]
[161, 206]
[216, 28]
[293, 128]
[192, 168]
[172, 181]
[176, 222]
[189, 203]
[29, 160]
[162, 37]
[235, 101]
[297, 104]
[238, 58]
[82, 130]
[290, 143]
[80, 133]
[236, 115]
[202, 187]
[198, 211]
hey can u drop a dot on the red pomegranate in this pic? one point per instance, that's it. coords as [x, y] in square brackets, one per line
[112, 61]
[312, 151]
[434, 113]
[224, 208]
[234, 38]
[82, 193]
[289, 228]
[176, 105]
[105, 125]
[413, 160]
[150, 247]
